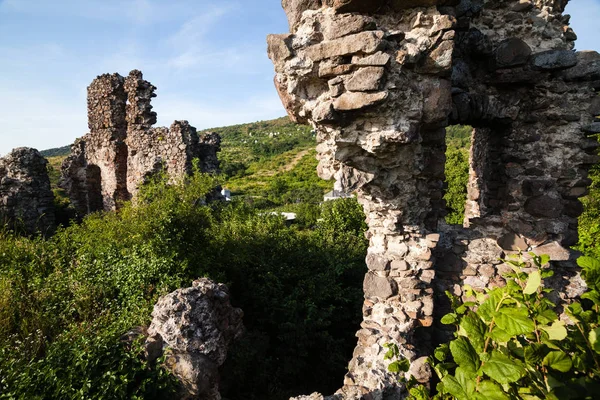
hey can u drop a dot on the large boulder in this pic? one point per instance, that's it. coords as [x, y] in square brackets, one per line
[193, 328]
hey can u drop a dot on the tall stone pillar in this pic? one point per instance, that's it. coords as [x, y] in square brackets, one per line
[108, 130]
[376, 88]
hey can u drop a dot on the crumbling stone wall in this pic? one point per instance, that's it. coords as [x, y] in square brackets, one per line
[379, 81]
[26, 200]
[122, 150]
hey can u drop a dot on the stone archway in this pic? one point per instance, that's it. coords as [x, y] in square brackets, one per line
[380, 81]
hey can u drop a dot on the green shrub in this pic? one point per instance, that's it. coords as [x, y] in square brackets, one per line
[65, 302]
[510, 343]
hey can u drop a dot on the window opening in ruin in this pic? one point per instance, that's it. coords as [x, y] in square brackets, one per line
[458, 143]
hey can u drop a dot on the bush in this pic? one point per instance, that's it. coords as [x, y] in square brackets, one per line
[66, 301]
[510, 343]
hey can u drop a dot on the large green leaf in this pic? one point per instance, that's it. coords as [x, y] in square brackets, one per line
[503, 369]
[594, 338]
[475, 330]
[461, 385]
[535, 353]
[449, 319]
[556, 331]
[515, 321]
[546, 316]
[591, 271]
[492, 391]
[464, 354]
[487, 310]
[558, 360]
[533, 283]
[500, 335]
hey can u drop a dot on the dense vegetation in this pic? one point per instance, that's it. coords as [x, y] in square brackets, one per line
[65, 302]
[458, 141]
[509, 342]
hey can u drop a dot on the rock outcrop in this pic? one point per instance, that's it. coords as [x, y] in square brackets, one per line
[193, 328]
[380, 81]
[26, 200]
[122, 149]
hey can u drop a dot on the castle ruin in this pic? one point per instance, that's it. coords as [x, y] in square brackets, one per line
[122, 149]
[380, 80]
[26, 201]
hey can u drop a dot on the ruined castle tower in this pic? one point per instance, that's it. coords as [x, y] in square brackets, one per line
[380, 80]
[122, 150]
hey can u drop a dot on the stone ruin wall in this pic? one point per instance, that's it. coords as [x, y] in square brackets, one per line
[26, 201]
[122, 150]
[380, 81]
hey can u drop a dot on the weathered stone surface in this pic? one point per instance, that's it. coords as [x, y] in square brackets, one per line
[122, 150]
[439, 60]
[365, 79]
[377, 286]
[295, 8]
[26, 201]
[278, 48]
[544, 206]
[554, 250]
[587, 68]
[378, 59]
[513, 242]
[364, 42]
[355, 101]
[554, 59]
[327, 70]
[345, 24]
[195, 327]
[512, 52]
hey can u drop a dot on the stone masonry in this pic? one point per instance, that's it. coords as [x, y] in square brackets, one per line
[26, 201]
[122, 150]
[380, 80]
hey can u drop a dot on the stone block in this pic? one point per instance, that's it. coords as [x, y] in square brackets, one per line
[587, 68]
[365, 79]
[278, 48]
[549, 206]
[511, 53]
[554, 59]
[378, 59]
[364, 42]
[350, 101]
[378, 286]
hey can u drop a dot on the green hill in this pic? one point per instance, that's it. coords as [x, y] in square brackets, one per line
[57, 152]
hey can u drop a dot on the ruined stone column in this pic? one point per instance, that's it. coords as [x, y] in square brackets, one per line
[376, 88]
[108, 130]
[379, 81]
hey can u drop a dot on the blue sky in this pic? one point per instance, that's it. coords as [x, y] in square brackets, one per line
[207, 58]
